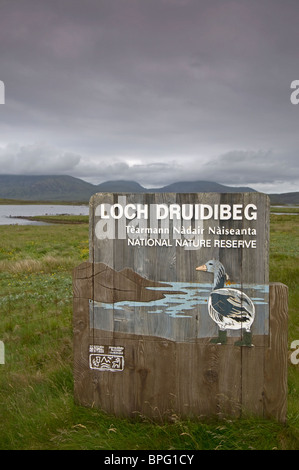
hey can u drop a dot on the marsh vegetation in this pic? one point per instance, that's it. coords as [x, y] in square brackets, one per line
[37, 409]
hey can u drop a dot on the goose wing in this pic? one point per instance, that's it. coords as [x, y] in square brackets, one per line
[232, 303]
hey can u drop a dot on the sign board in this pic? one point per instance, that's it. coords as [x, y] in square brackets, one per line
[181, 266]
[172, 311]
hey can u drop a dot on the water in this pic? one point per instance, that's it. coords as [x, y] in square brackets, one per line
[9, 213]
[182, 315]
[285, 213]
[285, 207]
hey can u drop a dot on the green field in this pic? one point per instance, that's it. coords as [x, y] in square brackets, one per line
[37, 409]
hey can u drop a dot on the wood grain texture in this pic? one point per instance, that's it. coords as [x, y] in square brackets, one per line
[190, 379]
[276, 356]
[175, 263]
[134, 356]
[164, 263]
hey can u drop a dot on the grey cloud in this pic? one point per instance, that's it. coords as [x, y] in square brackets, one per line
[161, 82]
[252, 167]
[35, 158]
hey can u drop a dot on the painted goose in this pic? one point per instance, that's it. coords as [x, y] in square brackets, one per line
[230, 308]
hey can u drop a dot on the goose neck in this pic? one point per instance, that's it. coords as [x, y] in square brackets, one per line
[219, 278]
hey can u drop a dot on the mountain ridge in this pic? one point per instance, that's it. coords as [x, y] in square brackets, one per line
[71, 189]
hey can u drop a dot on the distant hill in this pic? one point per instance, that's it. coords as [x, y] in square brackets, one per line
[202, 187]
[284, 198]
[70, 189]
[120, 187]
[45, 188]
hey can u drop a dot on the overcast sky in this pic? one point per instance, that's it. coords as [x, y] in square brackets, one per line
[155, 91]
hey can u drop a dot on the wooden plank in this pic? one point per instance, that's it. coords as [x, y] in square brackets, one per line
[252, 377]
[207, 379]
[276, 356]
[134, 335]
[83, 389]
[202, 379]
[256, 271]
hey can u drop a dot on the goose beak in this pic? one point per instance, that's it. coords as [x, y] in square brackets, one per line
[201, 268]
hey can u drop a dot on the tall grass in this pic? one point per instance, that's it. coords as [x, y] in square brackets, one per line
[37, 410]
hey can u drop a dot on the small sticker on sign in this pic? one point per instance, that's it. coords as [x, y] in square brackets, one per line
[106, 358]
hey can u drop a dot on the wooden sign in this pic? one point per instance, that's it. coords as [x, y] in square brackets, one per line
[181, 266]
[174, 283]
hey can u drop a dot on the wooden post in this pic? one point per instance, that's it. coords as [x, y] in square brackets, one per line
[144, 342]
[276, 356]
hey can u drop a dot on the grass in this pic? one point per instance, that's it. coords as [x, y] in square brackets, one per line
[60, 219]
[19, 202]
[286, 210]
[37, 410]
[284, 267]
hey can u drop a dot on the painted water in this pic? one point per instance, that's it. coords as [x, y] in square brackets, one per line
[9, 214]
[181, 316]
